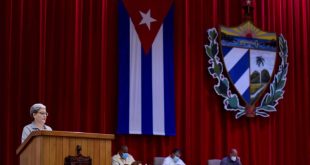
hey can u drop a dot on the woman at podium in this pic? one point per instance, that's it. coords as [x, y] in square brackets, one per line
[39, 114]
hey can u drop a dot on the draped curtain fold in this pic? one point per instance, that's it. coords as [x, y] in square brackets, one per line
[64, 54]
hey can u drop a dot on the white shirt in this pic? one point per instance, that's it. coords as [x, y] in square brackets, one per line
[117, 160]
[169, 161]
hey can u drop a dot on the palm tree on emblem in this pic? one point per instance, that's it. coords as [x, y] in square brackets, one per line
[260, 62]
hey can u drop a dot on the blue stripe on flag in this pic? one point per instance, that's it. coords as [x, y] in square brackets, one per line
[123, 40]
[242, 65]
[169, 74]
[147, 105]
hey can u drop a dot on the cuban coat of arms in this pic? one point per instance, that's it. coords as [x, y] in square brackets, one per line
[253, 84]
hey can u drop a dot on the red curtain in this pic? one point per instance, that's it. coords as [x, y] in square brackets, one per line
[64, 53]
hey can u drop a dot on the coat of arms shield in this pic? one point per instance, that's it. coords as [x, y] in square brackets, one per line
[249, 57]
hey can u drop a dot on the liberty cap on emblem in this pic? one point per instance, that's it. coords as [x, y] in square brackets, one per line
[249, 57]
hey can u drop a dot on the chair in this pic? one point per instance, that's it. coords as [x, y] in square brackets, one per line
[214, 162]
[159, 160]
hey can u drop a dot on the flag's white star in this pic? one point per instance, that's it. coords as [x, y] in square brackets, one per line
[147, 19]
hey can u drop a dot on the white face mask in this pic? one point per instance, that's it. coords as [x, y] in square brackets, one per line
[233, 158]
[176, 159]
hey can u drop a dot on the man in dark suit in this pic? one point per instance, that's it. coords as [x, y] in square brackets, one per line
[232, 159]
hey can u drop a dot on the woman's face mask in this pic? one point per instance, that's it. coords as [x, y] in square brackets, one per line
[233, 158]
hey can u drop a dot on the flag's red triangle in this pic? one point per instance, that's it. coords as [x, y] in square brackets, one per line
[147, 17]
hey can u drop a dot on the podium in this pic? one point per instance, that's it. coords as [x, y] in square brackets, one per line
[52, 147]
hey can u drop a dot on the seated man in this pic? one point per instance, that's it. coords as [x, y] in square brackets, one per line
[123, 158]
[232, 159]
[174, 158]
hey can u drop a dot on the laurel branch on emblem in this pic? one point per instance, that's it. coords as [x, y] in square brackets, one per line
[270, 100]
[231, 100]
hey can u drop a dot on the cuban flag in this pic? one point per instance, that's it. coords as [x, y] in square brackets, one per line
[146, 70]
